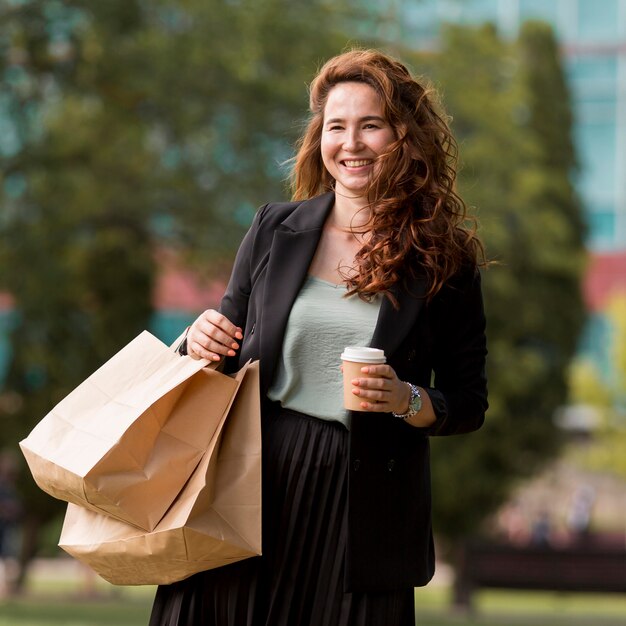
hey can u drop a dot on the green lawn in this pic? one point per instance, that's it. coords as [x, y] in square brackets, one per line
[72, 601]
[521, 608]
[73, 612]
[56, 605]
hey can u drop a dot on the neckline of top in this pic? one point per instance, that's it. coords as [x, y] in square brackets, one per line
[325, 282]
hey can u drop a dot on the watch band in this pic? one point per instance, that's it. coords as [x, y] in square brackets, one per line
[415, 403]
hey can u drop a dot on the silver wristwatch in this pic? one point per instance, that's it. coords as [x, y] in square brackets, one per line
[415, 403]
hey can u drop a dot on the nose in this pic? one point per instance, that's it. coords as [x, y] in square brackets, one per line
[352, 141]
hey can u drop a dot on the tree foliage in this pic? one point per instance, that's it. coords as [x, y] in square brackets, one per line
[606, 396]
[511, 115]
[133, 125]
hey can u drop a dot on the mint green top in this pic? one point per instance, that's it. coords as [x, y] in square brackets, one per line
[321, 324]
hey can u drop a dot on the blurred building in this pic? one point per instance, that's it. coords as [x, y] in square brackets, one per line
[593, 38]
[592, 34]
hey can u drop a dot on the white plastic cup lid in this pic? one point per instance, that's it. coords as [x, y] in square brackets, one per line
[359, 354]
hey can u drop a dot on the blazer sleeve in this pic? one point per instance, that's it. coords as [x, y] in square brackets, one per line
[234, 304]
[459, 392]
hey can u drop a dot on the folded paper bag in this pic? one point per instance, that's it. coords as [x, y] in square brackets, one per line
[126, 440]
[216, 519]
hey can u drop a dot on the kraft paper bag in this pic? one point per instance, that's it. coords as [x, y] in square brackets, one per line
[216, 519]
[127, 439]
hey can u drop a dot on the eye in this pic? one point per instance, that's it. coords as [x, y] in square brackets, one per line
[335, 127]
[370, 126]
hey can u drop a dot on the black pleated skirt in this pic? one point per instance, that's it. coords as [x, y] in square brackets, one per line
[299, 580]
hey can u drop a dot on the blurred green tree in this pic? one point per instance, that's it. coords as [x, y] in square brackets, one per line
[136, 125]
[132, 126]
[511, 115]
[606, 450]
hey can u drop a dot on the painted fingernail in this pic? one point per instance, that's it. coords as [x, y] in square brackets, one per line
[231, 353]
[234, 345]
[239, 334]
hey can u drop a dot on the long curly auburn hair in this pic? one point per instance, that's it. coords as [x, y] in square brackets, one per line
[417, 218]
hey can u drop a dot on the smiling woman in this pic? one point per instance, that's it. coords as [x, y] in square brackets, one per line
[373, 251]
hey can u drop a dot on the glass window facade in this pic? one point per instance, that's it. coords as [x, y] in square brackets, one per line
[597, 142]
[540, 9]
[593, 34]
[597, 20]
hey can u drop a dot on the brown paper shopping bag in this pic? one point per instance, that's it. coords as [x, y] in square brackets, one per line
[215, 520]
[126, 440]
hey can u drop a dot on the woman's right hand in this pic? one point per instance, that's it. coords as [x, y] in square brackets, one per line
[213, 336]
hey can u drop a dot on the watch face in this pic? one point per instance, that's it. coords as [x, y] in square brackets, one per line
[416, 403]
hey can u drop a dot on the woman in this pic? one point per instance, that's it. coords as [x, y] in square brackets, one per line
[373, 251]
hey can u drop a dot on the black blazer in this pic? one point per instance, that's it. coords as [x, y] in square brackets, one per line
[389, 511]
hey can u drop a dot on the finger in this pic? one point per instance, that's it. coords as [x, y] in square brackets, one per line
[371, 383]
[215, 331]
[196, 349]
[200, 342]
[203, 345]
[375, 395]
[377, 407]
[385, 371]
[213, 334]
[223, 323]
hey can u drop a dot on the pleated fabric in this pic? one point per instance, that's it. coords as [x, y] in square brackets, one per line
[299, 580]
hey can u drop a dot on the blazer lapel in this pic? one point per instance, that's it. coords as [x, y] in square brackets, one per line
[393, 325]
[294, 244]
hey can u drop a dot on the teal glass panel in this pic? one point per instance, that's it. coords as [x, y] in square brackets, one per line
[593, 67]
[539, 10]
[598, 20]
[601, 229]
[596, 142]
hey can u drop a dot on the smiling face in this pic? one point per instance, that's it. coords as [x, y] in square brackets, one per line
[354, 134]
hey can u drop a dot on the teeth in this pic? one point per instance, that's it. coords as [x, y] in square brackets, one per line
[359, 163]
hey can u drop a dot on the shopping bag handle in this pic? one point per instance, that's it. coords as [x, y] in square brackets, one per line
[179, 340]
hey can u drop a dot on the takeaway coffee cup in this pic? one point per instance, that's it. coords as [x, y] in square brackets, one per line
[354, 358]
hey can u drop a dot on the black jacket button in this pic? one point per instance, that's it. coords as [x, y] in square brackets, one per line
[356, 465]
[391, 464]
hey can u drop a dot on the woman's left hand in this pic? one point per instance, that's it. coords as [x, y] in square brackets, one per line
[381, 390]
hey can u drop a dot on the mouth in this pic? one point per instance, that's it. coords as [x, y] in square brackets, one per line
[357, 162]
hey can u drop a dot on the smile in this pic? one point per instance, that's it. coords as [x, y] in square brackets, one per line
[359, 163]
